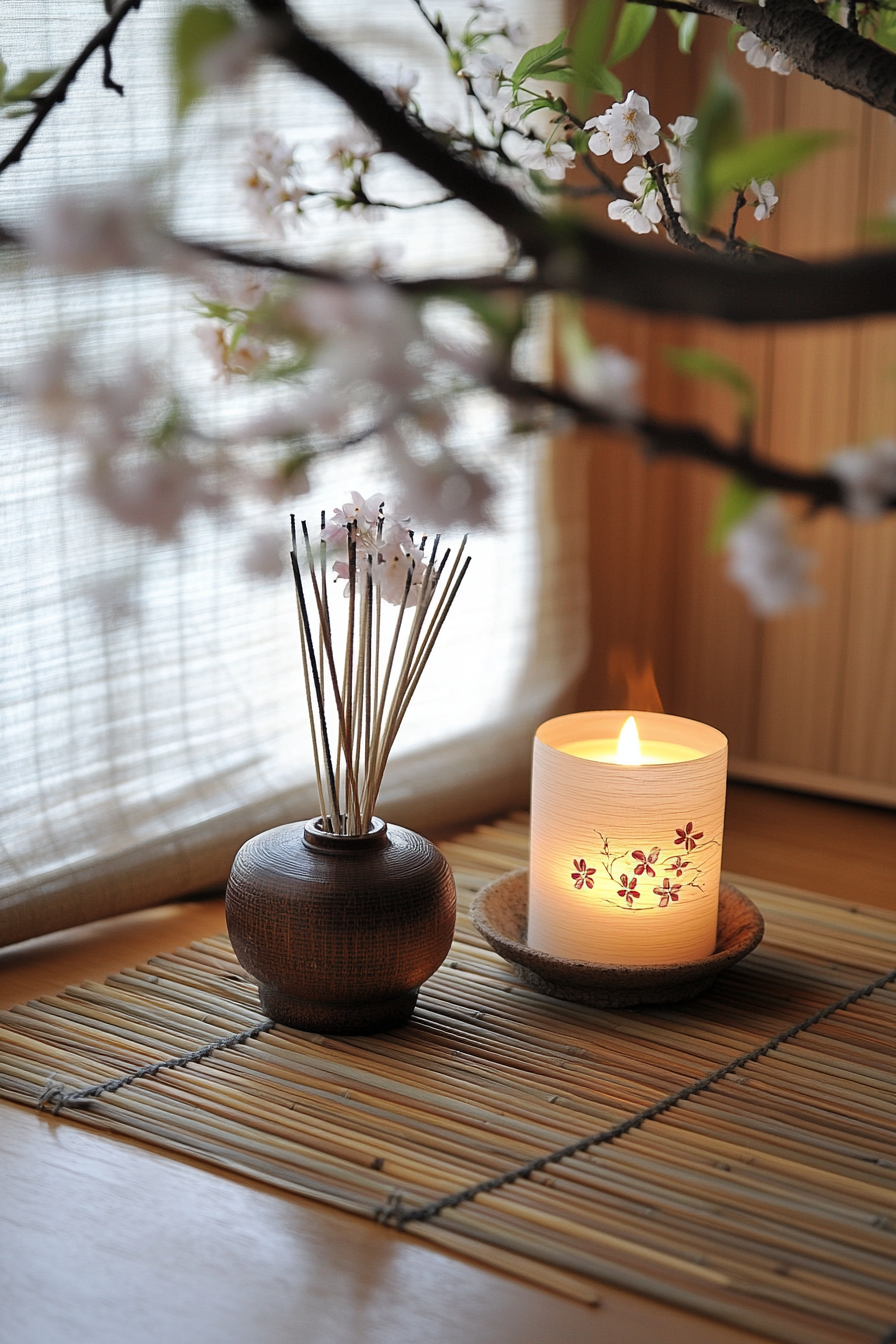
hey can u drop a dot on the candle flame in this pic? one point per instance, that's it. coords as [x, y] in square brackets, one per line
[628, 748]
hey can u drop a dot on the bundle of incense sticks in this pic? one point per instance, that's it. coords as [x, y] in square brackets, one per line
[398, 599]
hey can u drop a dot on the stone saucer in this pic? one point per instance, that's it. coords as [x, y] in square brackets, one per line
[500, 913]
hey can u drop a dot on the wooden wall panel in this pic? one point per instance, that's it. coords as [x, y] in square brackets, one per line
[813, 413]
[812, 693]
[866, 746]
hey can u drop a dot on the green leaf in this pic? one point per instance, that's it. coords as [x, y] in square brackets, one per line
[738, 499]
[22, 90]
[4, 68]
[633, 25]
[603, 80]
[734, 33]
[687, 31]
[534, 61]
[884, 31]
[699, 363]
[168, 427]
[589, 51]
[555, 105]
[719, 128]
[882, 229]
[197, 30]
[766, 156]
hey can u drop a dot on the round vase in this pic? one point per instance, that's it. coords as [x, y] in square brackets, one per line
[340, 931]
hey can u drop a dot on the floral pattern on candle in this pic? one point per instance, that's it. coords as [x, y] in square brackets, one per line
[644, 862]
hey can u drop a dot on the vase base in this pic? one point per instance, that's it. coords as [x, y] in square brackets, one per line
[337, 1019]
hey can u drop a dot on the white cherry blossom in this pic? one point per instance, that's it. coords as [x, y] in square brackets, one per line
[625, 129]
[761, 55]
[270, 181]
[766, 200]
[868, 477]
[353, 148]
[363, 514]
[399, 86]
[606, 378]
[640, 216]
[242, 356]
[551, 159]
[501, 108]
[682, 129]
[398, 559]
[766, 564]
[485, 71]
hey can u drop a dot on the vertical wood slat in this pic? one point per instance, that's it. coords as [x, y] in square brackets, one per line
[866, 746]
[813, 691]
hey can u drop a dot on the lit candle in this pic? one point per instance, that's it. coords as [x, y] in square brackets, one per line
[626, 849]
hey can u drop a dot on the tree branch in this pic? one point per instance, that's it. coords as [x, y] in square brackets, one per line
[689, 441]
[818, 46]
[571, 256]
[101, 40]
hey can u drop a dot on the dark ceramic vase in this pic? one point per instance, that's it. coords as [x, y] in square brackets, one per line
[340, 931]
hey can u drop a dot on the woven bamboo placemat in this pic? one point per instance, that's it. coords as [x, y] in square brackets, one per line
[767, 1198]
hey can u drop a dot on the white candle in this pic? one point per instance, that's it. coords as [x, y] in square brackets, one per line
[626, 842]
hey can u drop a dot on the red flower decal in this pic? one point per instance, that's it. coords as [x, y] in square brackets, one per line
[645, 862]
[667, 892]
[582, 876]
[678, 865]
[688, 836]
[628, 889]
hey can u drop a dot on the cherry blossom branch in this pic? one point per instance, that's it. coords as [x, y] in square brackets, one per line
[571, 256]
[817, 45]
[678, 234]
[45, 103]
[731, 242]
[663, 439]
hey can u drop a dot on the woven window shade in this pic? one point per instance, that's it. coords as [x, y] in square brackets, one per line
[151, 705]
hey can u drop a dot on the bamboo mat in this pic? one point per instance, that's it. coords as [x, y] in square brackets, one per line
[769, 1200]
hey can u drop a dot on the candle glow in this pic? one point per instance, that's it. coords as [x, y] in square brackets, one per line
[627, 823]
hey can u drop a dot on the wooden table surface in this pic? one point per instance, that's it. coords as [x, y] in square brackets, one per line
[102, 1239]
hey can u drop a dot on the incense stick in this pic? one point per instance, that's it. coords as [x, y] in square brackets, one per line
[358, 695]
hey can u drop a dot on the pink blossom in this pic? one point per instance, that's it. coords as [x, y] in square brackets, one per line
[263, 557]
[232, 60]
[84, 235]
[155, 494]
[46, 385]
[241, 356]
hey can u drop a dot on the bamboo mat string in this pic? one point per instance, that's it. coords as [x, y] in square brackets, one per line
[393, 1212]
[56, 1095]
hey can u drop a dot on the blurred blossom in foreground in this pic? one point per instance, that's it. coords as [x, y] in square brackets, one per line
[270, 181]
[85, 234]
[263, 557]
[607, 379]
[766, 564]
[868, 477]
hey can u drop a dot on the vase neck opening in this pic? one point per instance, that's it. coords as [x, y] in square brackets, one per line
[316, 836]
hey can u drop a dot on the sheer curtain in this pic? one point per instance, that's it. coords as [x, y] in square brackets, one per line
[151, 705]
